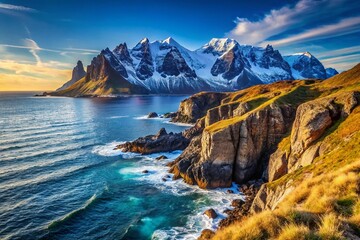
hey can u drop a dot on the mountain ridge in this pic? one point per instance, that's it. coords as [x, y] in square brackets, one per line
[165, 66]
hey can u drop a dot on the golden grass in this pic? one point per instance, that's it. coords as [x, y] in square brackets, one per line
[329, 228]
[294, 231]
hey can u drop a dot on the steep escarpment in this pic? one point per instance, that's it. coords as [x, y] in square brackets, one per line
[241, 133]
[313, 175]
[196, 106]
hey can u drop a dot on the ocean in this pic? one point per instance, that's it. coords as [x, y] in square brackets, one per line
[60, 177]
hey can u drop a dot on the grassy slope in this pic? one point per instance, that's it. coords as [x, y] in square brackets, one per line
[325, 203]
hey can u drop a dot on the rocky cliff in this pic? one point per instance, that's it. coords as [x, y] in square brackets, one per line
[312, 169]
[77, 73]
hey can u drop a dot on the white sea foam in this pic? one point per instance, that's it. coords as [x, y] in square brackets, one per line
[157, 174]
[180, 124]
[116, 117]
[145, 117]
[108, 150]
[164, 120]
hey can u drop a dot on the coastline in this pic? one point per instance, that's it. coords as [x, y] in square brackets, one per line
[158, 175]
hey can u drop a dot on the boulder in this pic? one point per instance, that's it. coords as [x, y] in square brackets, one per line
[206, 234]
[211, 213]
[160, 142]
[162, 157]
[152, 115]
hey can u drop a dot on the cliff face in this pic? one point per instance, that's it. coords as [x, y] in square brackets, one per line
[77, 73]
[261, 132]
[195, 107]
[301, 137]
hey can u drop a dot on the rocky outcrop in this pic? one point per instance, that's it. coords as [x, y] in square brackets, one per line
[236, 152]
[196, 106]
[152, 115]
[268, 198]
[77, 74]
[211, 213]
[313, 119]
[161, 142]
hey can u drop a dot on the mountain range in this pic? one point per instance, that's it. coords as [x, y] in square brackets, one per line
[166, 67]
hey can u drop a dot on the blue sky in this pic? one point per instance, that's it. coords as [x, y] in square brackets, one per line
[40, 40]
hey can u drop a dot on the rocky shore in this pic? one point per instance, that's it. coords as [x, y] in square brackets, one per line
[266, 132]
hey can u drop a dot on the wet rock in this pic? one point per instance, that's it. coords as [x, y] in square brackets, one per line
[152, 115]
[170, 115]
[162, 157]
[145, 171]
[206, 234]
[229, 191]
[160, 142]
[211, 213]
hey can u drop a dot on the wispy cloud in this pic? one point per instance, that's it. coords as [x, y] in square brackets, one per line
[343, 27]
[16, 7]
[33, 49]
[27, 76]
[338, 52]
[304, 15]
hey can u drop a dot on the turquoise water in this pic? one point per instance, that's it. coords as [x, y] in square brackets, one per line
[61, 179]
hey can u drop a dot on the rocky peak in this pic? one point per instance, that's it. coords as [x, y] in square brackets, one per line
[122, 52]
[142, 52]
[230, 64]
[103, 64]
[330, 72]
[305, 65]
[218, 46]
[269, 48]
[174, 64]
[78, 72]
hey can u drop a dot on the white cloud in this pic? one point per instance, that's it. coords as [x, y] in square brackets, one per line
[302, 15]
[16, 7]
[343, 27]
[338, 52]
[33, 49]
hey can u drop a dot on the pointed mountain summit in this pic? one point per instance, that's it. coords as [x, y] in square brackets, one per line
[165, 66]
[305, 65]
[77, 73]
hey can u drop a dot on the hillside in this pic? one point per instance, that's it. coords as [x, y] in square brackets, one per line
[301, 138]
[165, 66]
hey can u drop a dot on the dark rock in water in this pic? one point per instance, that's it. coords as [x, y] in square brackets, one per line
[211, 213]
[164, 179]
[237, 202]
[161, 142]
[145, 171]
[152, 115]
[170, 115]
[206, 234]
[229, 191]
[162, 157]
[242, 208]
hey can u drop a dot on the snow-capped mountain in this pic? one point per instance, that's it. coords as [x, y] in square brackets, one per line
[305, 65]
[167, 67]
